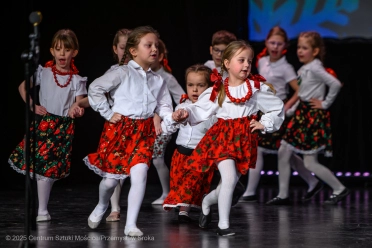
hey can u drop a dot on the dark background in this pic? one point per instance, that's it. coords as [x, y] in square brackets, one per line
[186, 27]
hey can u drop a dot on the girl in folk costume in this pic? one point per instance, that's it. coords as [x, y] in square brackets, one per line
[272, 64]
[188, 186]
[53, 129]
[126, 144]
[309, 130]
[161, 67]
[230, 145]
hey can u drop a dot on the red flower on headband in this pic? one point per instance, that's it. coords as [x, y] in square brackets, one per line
[184, 97]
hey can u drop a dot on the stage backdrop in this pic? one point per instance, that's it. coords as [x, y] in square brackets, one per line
[186, 27]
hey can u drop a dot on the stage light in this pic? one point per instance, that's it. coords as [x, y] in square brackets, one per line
[356, 174]
[339, 174]
[295, 173]
[262, 172]
[270, 173]
[347, 174]
[277, 173]
[366, 174]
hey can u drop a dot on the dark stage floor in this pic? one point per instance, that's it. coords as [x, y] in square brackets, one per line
[348, 224]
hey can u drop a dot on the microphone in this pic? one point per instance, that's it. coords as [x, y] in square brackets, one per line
[35, 18]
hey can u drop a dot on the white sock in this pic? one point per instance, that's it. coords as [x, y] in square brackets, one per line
[229, 178]
[284, 168]
[254, 175]
[312, 164]
[297, 164]
[138, 177]
[210, 199]
[43, 192]
[106, 189]
[163, 173]
[115, 198]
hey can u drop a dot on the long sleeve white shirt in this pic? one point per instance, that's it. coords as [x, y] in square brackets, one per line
[263, 99]
[137, 95]
[174, 87]
[314, 79]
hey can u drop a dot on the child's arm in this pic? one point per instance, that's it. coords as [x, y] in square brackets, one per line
[40, 110]
[157, 124]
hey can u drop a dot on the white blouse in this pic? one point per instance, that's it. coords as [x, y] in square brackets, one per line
[314, 79]
[278, 73]
[174, 87]
[263, 99]
[137, 95]
[55, 99]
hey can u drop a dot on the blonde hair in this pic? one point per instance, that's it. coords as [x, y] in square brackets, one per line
[230, 51]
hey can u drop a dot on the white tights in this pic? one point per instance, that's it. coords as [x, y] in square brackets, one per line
[138, 177]
[115, 198]
[296, 163]
[310, 163]
[163, 173]
[223, 193]
[43, 192]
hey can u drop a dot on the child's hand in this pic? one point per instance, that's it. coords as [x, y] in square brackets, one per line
[256, 125]
[115, 118]
[75, 111]
[40, 110]
[315, 103]
[158, 129]
[180, 115]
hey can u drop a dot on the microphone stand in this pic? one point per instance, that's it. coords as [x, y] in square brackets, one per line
[31, 60]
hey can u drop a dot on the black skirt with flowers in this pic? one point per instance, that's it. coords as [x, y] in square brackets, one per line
[50, 148]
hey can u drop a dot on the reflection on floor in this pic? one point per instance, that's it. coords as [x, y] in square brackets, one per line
[348, 224]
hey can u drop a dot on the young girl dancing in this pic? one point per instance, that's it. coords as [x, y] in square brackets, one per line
[187, 187]
[126, 144]
[309, 130]
[273, 66]
[230, 145]
[53, 129]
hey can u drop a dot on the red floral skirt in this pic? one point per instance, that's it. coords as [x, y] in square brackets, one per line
[123, 145]
[226, 139]
[50, 151]
[187, 187]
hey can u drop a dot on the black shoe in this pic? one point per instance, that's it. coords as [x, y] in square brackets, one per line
[204, 220]
[319, 186]
[184, 219]
[249, 198]
[238, 192]
[225, 232]
[334, 199]
[278, 201]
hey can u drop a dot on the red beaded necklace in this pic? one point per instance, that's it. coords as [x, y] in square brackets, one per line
[56, 71]
[233, 99]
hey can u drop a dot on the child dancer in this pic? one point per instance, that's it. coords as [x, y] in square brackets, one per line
[309, 130]
[126, 144]
[230, 145]
[188, 186]
[220, 40]
[60, 87]
[162, 68]
[273, 66]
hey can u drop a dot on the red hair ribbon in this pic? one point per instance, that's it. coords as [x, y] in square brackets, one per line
[264, 53]
[184, 97]
[257, 78]
[331, 71]
[165, 64]
[217, 80]
[260, 55]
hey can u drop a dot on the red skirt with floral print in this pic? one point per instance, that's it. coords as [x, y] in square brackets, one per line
[226, 139]
[187, 187]
[123, 145]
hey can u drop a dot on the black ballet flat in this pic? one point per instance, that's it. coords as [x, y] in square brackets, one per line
[278, 201]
